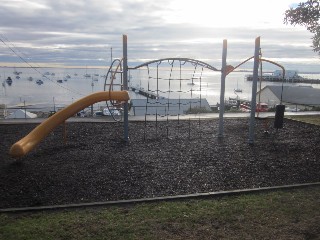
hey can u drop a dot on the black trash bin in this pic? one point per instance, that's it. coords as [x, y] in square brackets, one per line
[278, 119]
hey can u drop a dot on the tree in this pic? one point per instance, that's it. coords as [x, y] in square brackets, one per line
[306, 14]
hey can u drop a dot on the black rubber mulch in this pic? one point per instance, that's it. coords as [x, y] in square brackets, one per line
[161, 159]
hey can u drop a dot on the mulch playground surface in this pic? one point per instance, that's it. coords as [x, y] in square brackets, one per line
[161, 159]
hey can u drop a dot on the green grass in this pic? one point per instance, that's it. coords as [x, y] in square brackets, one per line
[293, 214]
[313, 119]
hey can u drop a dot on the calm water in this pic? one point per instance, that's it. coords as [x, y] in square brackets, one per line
[172, 83]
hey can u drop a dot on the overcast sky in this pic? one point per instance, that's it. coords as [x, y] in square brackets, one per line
[80, 33]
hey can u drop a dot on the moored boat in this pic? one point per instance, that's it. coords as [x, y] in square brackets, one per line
[9, 80]
[15, 72]
[39, 82]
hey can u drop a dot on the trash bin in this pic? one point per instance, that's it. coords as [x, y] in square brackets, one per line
[278, 119]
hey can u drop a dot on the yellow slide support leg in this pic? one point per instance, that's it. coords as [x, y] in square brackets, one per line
[29, 142]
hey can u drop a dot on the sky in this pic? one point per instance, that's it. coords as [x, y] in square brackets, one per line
[82, 33]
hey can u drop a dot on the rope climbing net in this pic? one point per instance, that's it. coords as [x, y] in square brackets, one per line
[169, 89]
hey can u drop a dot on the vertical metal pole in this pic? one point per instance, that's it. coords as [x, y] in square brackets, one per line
[54, 105]
[92, 104]
[125, 88]
[254, 90]
[223, 86]
[110, 56]
[25, 109]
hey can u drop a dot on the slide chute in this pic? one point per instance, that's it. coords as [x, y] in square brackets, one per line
[30, 141]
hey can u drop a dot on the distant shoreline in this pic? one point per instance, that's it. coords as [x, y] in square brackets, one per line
[104, 67]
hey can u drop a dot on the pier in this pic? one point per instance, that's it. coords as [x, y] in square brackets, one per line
[142, 92]
[287, 80]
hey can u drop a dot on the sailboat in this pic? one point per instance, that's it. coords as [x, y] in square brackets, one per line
[238, 89]
[87, 75]
[15, 72]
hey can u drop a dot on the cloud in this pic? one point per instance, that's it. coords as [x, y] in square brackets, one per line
[78, 32]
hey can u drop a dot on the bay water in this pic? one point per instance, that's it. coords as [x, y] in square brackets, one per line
[163, 81]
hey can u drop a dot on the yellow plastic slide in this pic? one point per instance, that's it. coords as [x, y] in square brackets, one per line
[30, 141]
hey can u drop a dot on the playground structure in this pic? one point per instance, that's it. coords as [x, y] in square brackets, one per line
[153, 91]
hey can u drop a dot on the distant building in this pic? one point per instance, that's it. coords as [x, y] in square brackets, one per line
[294, 96]
[163, 107]
[21, 113]
[288, 74]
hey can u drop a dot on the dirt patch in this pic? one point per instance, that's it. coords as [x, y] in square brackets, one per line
[161, 159]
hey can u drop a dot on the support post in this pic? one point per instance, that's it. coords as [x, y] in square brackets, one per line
[125, 87]
[223, 86]
[254, 90]
[65, 133]
[25, 109]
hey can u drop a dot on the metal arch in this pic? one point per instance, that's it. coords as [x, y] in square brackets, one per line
[192, 61]
[277, 64]
[231, 68]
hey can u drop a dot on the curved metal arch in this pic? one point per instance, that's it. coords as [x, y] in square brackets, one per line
[277, 64]
[230, 68]
[192, 61]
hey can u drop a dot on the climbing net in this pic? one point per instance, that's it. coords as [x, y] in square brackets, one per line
[169, 89]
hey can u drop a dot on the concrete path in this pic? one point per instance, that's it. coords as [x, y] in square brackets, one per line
[153, 118]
